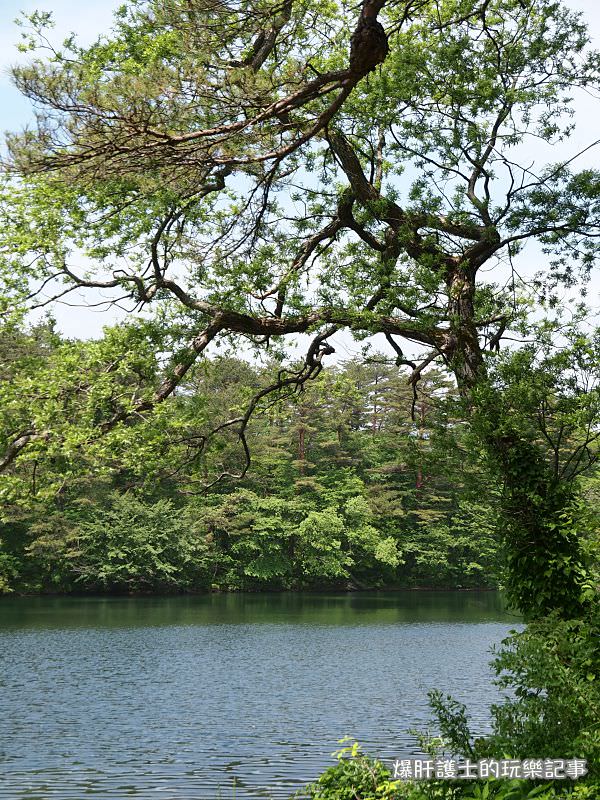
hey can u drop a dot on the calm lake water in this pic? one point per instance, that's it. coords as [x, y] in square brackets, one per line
[226, 696]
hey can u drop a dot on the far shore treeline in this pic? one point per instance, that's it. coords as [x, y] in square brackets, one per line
[352, 482]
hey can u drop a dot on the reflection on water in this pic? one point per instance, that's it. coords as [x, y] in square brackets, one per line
[188, 697]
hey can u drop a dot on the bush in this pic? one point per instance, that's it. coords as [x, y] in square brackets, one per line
[354, 777]
[127, 545]
[358, 777]
[9, 571]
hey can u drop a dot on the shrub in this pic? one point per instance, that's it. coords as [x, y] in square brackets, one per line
[128, 545]
[354, 777]
[358, 777]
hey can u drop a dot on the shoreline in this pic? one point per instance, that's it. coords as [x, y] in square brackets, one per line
[206, 592]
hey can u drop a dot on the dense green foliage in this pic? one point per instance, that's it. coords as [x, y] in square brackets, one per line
[550, 672]
[537, 417]
[344, 489]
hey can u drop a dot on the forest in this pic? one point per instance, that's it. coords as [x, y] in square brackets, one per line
[259, 187]
[345, 488]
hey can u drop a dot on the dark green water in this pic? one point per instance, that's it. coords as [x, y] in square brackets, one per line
[188, 697]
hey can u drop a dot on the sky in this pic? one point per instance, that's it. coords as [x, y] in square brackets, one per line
[88, 19]
[91, 18]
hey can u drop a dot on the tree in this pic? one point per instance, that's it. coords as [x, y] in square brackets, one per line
[261, 149]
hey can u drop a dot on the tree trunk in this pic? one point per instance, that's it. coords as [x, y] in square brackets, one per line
[546, 566]
[463, 350]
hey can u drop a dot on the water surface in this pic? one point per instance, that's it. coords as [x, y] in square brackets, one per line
[227, 696]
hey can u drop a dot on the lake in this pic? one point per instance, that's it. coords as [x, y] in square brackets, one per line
[227, 696]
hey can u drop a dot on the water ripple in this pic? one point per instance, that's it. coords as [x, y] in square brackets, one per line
[204, 699]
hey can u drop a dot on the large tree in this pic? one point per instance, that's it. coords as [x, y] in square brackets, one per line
[263, 170]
